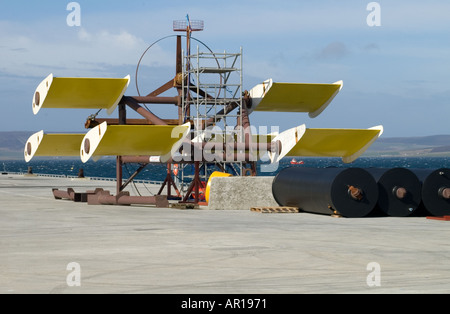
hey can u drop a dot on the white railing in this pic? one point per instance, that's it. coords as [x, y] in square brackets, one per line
[61, 176]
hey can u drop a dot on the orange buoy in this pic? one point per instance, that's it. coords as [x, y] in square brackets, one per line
[175, 169]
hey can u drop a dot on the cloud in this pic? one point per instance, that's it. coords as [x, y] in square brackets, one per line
[333, 51]
[122, 40]
[73, 52]
[372, 47]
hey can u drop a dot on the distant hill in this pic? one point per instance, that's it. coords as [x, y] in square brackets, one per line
[435, 145]
[12, 145]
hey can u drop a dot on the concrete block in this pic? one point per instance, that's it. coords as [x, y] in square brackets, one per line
[241, 193]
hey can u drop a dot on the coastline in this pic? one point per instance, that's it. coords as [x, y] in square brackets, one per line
[12, 143]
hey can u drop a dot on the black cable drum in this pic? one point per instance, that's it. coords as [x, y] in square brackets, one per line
[399, 191]
[352, 192]
[435, 190]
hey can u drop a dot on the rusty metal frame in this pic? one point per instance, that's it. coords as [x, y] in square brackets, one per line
[241, 151]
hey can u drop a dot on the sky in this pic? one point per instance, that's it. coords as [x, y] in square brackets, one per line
[395, 74]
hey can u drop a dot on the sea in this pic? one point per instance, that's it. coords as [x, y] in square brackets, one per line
[106, 168]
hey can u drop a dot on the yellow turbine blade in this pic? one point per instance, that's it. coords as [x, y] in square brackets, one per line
[132, 140]
[79, 93]
[346, 143]
[293, 97]
[41, 144]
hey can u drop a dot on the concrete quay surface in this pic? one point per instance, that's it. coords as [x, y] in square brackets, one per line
[142, 249]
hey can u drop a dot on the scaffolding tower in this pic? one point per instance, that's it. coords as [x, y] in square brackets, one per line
[212, 99]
